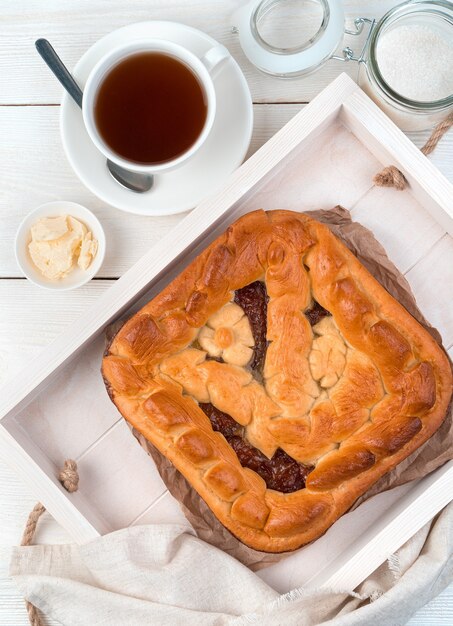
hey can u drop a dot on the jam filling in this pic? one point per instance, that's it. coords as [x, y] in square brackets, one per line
[214, 358]
[316, 313]
[253, 301]
[281, 472]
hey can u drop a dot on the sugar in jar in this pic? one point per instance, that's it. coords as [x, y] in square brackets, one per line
[407, 67]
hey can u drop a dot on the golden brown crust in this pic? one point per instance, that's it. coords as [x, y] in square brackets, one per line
[353, 396]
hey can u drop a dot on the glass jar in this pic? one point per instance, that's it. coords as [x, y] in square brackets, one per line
[289, 38]
[406, 113]
[293, 38]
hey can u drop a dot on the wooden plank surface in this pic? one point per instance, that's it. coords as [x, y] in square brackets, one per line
[73, 29]
[34, 170]
[24, 130]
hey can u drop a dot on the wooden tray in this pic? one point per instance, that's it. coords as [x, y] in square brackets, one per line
[58, 408]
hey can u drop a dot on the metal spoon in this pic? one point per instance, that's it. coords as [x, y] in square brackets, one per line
[130, 180]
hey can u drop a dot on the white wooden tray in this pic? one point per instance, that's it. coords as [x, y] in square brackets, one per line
[58, 408]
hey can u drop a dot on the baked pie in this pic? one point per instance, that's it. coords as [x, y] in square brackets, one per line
[279, 377]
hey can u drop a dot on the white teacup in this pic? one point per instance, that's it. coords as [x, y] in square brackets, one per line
[204, 69]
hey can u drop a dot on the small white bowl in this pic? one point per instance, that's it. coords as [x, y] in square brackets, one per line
[76, 276]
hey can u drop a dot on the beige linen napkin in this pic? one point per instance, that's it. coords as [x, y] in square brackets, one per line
[164, 575]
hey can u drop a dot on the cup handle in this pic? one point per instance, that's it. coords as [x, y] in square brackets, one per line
[214, 59]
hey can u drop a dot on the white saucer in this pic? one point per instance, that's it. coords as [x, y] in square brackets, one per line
[181, 189]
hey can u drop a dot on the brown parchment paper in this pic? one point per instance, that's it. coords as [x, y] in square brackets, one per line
[434, 453]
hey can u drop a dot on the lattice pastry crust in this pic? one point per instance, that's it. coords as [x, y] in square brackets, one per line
[348, 398]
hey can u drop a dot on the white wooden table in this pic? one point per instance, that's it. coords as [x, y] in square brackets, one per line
[34, 170]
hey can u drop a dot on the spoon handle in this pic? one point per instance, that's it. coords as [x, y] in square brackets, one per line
[59, 69]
